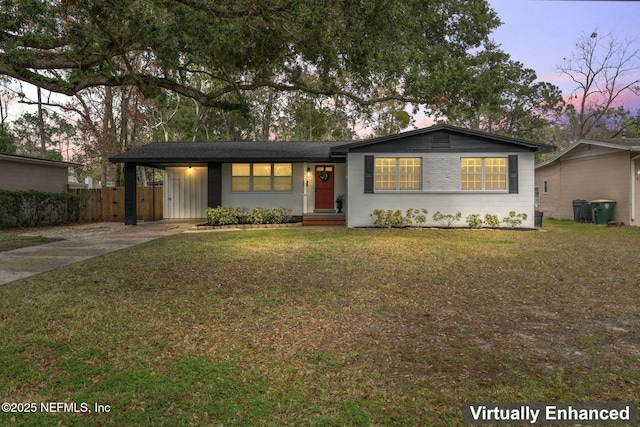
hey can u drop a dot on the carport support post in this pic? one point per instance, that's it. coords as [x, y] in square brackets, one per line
[130, 213]
[214, 185]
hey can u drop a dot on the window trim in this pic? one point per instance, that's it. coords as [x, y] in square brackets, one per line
[398, 173]
[251, 176]
[483, 174]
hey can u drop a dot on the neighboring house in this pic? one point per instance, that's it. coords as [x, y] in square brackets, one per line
[30, 173]
[441, 168]
[591, 170]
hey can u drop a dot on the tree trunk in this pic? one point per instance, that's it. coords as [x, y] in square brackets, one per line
[43, 137]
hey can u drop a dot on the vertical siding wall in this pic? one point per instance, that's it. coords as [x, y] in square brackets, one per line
[185, 192]
[589, 178]
[441, 190]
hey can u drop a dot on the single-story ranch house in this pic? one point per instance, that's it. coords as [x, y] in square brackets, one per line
[30, 173]
[440, 168]
[592, 170]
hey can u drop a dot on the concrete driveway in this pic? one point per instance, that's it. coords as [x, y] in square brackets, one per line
[81, 242]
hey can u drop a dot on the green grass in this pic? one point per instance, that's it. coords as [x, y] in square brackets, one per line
[327, 327]
[13, 239]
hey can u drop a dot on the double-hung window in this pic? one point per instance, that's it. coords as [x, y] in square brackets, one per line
[398, 173]
[261, 177]
[483, 173]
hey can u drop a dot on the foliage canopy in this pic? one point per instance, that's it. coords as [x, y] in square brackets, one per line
[367, 51]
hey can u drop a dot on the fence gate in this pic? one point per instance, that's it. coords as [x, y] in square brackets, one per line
[113, 203]
[149, 203]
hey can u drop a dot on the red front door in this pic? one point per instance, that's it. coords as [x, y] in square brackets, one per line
[324, 186]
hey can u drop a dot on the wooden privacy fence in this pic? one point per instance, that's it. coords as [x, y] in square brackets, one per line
[107, 204]
[90, 204]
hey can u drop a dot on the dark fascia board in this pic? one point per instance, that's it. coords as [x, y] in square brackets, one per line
[533, 146]
[164, 163]
[37, 160]
[199, 161]
[178, 153]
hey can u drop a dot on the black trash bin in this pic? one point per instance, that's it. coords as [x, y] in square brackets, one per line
[538, 219]
[586, 213]
[577, 208]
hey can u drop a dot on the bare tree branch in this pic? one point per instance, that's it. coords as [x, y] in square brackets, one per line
[603, 70]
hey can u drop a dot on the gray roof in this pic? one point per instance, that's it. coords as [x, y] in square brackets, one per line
[164, 153]
[38, 160]
[626, 142]
[623, 144]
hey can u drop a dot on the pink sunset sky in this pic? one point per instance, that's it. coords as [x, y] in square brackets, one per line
[540, 33]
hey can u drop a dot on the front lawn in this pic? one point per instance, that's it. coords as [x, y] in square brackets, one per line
[14, 239]
[326, 327]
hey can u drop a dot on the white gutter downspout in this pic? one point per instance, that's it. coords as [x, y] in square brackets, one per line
[633, 187]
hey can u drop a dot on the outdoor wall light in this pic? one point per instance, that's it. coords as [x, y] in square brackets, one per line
[189, 165]
[309, 173]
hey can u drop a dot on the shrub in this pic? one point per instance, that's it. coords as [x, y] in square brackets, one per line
[223, 215]
[514, 220]
[491, 220]
[30, 208]
[447, 220]
[269, 216]
[421, 216]
[474, 221]
[389, 218]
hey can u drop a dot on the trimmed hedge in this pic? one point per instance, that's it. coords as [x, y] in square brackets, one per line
[224, 215]
[31, 208]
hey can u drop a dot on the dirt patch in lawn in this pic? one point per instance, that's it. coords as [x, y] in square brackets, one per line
[11, 241]
[19, 238]
[75, 230]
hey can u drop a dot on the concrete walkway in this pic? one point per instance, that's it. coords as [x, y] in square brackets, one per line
[81, 242]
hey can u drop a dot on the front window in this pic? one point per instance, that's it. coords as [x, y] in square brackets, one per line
[261, 177]
[398, 173]
[483, 173]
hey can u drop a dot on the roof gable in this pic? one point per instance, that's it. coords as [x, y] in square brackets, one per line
[442, 138]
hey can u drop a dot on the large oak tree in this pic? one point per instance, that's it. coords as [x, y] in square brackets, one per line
[502, 96]
[365, 50]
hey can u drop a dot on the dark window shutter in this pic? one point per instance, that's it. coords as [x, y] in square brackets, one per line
[368, 174]
[513, 174]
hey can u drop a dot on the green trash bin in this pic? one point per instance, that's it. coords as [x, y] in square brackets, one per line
[602, 210]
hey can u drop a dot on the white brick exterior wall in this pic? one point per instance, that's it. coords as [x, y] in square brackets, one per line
[441, 190]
